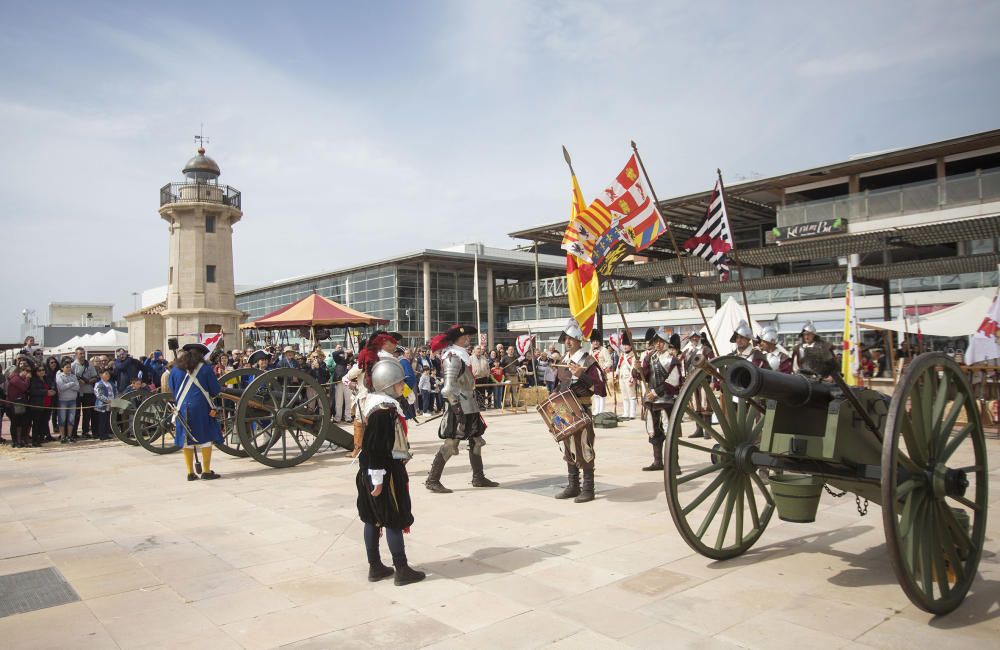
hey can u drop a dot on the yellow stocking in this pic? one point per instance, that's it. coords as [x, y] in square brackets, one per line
[189, 458]
[206, 459]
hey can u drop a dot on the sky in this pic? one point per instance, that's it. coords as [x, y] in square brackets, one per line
[359, 131]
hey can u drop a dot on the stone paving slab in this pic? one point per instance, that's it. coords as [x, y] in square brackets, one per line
[274, 558]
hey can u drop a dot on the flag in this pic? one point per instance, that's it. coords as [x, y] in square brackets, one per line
[639, 216]
[210, 340]
[714, 239]
[582, 282]
[615, 340]
[610, 249]
[475, 291]
[851, 359]
[586, 225]
[983, 344]
[523, 344]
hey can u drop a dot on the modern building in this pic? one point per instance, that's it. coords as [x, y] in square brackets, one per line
[67, 320]
[201, 292]
[922, 224]
[419, 293]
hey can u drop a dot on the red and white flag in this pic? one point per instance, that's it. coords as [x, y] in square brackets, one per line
[615, 339]
[210, 340]
[629, 200]
[523, 344]
[983, 345]
[714, 239]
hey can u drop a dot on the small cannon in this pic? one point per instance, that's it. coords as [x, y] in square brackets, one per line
[279, 418]
[775, 441]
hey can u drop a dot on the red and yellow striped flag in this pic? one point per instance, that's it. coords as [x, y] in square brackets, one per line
[582, 282]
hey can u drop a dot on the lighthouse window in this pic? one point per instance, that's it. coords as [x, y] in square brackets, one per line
[210, 273]
[209, 223]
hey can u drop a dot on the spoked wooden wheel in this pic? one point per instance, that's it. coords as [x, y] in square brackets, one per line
[282, 417]
[717, 501]
[934, 484]
[121, 419]
[226, 409]
[153, 426]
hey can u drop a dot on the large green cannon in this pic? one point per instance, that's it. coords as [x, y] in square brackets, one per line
[279, 418]
[776, 441]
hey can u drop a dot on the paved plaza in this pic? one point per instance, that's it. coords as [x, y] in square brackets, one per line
[267, 558]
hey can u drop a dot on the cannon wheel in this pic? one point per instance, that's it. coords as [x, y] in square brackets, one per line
[719, 505]
[231, 443]
[152, 425]
[934, 484]
[283, 417]
[121, 420]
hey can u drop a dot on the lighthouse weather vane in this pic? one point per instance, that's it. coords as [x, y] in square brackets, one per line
[200, 138]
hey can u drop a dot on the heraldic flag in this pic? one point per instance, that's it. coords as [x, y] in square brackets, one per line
[634, 207]
[714, 239]
[582, 282]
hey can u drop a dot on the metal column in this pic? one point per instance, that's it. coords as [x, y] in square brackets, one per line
[427, 300]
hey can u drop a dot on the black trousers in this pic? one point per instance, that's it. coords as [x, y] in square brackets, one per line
[85, 414]
[39, 424]
[102, 424]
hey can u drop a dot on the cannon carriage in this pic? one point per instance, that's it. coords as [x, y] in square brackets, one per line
[279, 418]
[775, 442]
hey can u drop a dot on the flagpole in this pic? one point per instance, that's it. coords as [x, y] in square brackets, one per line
[732, 251]
[677, 252]
[475, 288]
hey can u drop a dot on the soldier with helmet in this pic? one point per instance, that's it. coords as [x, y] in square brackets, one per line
[742, 337]
[382, 480]
[698, 349]
[461, 420]
[777, 358]
[813, 355]
[582, 375]
[664, 374]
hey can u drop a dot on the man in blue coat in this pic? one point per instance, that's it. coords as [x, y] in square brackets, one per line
[194, 385]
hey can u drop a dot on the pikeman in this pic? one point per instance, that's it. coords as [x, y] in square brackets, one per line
[663, 373]
[812, 355]
[777, 359]
[629, 373]
[698, 348]
[581, 375]
[194, 385]
[744, 346]
[461, 420]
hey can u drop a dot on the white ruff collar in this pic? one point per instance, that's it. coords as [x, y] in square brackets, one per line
[459, 352]
[377, 400]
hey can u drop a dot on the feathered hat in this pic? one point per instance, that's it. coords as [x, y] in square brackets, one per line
[452, 334]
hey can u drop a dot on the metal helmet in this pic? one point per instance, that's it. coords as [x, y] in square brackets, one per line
[385, 374]
[743, 329]
[769, 334]
[809, 327]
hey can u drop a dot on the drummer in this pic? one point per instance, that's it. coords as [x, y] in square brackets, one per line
[194, 385]
[582, 375]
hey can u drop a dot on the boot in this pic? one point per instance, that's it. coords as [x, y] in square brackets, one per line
[406, 575]
[378, 572]
[433, 482]
[657, 460]
[573, 488]
[478, 474]
[587, 491]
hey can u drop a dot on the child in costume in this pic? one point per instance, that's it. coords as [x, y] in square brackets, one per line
[194, 385]
[382, 480]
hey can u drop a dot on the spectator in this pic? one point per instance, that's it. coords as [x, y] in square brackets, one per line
[317, 369]
[17, 393]
[222, 365]
[436, 398]
[424, 384]
[87, 376]
[287, 359]
[481, 373]
[68, 389]
[496, 373]
[341, 394]
[155, 366]
[104, 392]
[40, 396]
[51, 370]
[125, 371]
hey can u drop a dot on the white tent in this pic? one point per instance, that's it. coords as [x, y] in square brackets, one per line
[724, 323]
[958, 320]
[99, 342]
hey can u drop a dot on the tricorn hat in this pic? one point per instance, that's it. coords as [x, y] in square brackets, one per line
[196, 346]
[743, 329]
[257, 356]
[571, 330]
[455, 331]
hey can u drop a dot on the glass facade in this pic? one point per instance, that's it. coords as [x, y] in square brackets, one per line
[391, 291]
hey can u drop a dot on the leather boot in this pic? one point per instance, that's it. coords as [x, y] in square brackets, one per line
[478, 473]
[406, 575]
[378, 572]
[433, 482]
[587, 490]
[657, 460]
[573, 488]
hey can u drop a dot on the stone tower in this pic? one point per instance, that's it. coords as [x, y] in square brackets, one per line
[201, 294]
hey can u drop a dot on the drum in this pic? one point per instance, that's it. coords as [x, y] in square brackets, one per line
[563, 415]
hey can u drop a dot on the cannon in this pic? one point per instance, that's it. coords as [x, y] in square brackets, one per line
[776, 441]
[279, 418]
[122, 410]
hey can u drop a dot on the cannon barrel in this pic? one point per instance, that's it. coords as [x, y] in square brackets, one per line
[747, 380]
